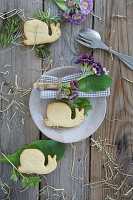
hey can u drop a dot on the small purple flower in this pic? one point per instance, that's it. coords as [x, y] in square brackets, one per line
[68, 92]
[74, 84]
[85, 58]
[65, 16]
[78, 18]
[73, 97]
[98, 69]
[105, 71]
[69, 3]
[86, 6]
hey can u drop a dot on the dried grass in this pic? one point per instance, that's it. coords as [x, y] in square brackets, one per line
[130, 81]
[99, 18]
[111, 171]
[128, 192]
[5, 189]
[13, 95]
[112, 120]
[74, 152]
[120, 16]
[45, 190]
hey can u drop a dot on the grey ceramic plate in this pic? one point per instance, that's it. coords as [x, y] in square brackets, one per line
[88, 127]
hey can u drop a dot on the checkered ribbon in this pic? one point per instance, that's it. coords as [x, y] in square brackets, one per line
[50, 94]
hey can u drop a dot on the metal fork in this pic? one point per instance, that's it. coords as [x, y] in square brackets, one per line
[96, 43]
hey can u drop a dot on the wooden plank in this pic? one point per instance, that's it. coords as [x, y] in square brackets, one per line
[61, 178]
[64, 54]
[116, 33]
[21, 59]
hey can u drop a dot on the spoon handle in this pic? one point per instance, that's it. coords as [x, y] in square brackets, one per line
[128, 60]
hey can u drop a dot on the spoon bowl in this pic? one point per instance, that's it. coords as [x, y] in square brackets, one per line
[89, 34]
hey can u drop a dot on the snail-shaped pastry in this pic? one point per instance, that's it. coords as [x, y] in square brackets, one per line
[37, 32]
[32, 161]
[59, 114]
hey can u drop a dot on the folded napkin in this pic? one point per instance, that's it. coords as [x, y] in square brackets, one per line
[50, 94]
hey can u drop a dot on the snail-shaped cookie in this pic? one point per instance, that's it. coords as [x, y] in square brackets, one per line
[32, 161]
[59, 114]
[37, 32]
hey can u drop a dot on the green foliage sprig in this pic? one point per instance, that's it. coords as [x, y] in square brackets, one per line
[9, 30]
[45, 17]
[42, 51]
[79, 103]
[31, 181]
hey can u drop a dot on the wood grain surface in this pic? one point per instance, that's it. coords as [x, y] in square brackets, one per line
[118, 123]
[116, 32]
[19, 135]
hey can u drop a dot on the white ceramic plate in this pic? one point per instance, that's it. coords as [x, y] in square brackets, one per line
[67, 135]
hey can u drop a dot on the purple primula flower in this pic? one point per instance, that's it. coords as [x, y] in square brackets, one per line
[78, 18]
[86, 6]
[98, 69]
[74, 84]
[68, 92]
[69, 3]
[85, 58]
[73, 97]
[65, 16]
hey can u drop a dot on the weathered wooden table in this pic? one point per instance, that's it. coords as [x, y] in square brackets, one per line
[17, 130]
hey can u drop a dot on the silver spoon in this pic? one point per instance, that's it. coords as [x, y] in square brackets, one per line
[92, 39]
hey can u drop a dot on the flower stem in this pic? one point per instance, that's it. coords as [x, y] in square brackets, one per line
[65, 86]
[12, 164]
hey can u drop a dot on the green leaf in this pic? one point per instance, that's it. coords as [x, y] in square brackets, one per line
[75, 1]
[94, 83]
[4, 41]
[48, 12]
[13, 175]
[79, 103]
[61, 4]
[48, 147]
[32, 181]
